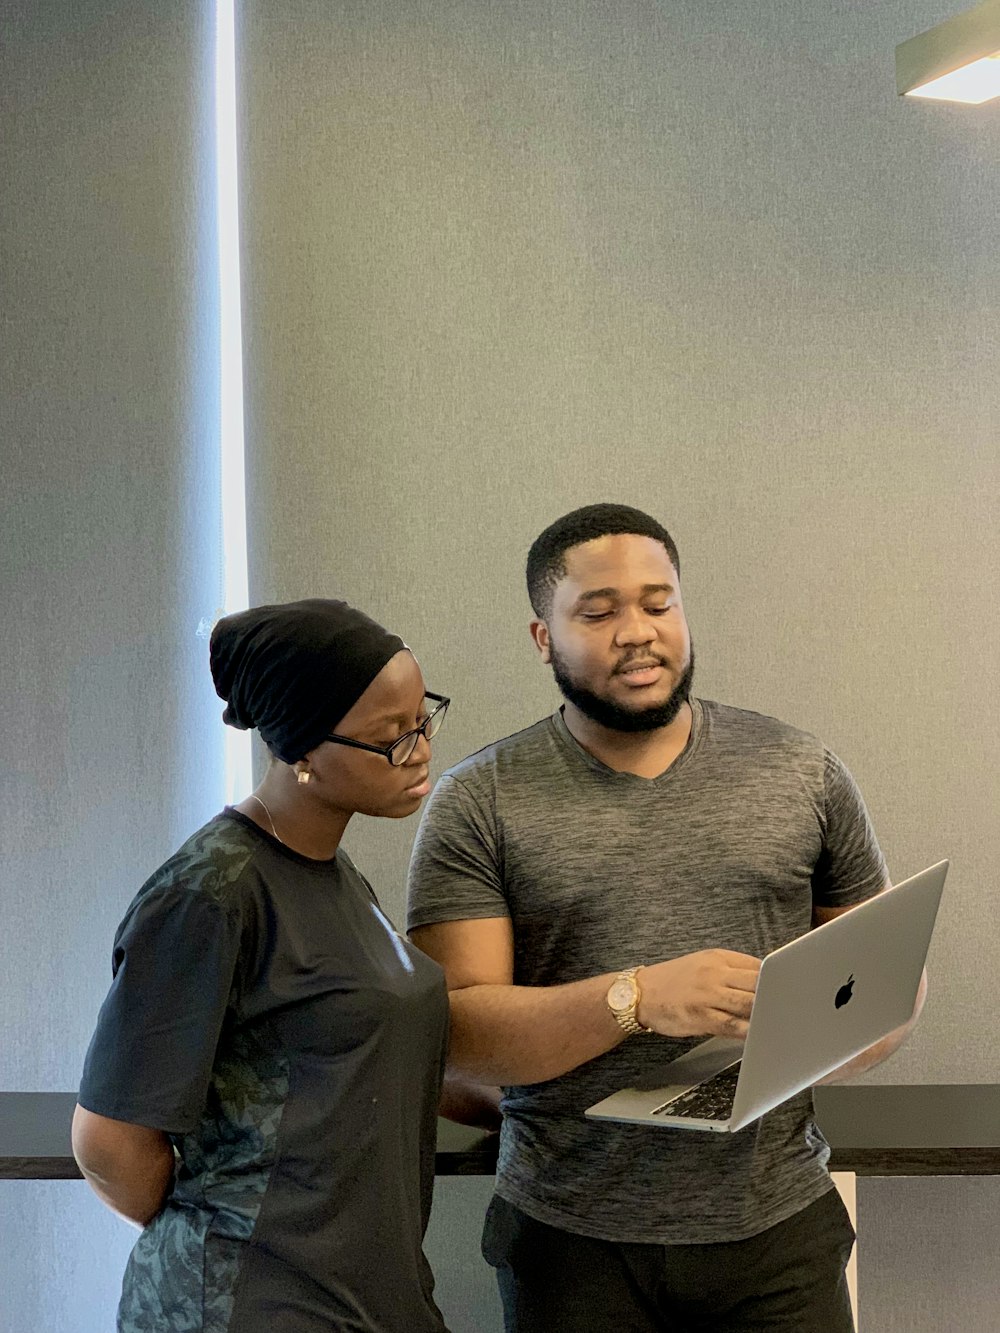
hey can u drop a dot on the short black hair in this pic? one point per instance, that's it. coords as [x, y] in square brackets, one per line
[547, 557]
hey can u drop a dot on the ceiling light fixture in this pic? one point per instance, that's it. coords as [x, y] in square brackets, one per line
[958, 61]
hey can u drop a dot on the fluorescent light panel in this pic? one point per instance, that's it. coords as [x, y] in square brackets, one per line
[957, 61]
[972, 84]
[234, 523]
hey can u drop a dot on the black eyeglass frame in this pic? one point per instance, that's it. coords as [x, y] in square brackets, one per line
[442, 701]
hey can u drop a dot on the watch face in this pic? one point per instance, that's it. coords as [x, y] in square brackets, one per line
[621, 994]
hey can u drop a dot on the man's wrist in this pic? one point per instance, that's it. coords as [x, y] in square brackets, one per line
[623, 999]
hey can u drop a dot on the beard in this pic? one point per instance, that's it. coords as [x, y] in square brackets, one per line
[615, 716]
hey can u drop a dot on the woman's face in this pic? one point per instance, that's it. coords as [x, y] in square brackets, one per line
[360, 782]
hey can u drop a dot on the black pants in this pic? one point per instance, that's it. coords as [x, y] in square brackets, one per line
[790, 1277]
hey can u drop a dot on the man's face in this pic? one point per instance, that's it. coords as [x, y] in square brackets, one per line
[616, 636]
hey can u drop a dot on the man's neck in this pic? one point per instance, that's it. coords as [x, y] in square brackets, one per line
[647, 754]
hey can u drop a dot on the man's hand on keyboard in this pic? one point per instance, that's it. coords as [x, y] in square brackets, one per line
[705, 994]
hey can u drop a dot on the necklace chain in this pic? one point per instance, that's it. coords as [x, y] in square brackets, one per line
[270, 819]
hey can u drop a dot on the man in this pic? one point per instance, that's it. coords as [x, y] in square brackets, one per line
[638, 828]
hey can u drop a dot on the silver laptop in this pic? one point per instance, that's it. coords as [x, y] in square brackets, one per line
[820, 1000]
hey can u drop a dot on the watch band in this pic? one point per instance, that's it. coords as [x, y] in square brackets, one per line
[630, 1025]
[626, 1018]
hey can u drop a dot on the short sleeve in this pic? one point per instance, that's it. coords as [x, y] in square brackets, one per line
[151, 1056]
[455, 871]
[851, 867]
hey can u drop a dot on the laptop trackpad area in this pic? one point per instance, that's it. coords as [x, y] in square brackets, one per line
[669, 1080]
[701, 1062]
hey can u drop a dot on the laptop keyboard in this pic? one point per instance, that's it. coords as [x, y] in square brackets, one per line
[711, 1100]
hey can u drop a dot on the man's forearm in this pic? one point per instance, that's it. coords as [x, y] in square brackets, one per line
[869, 1058]
[527, 1034]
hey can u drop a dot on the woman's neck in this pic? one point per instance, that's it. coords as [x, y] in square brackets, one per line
[295, 817]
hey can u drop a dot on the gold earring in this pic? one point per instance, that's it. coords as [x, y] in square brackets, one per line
[304, 776]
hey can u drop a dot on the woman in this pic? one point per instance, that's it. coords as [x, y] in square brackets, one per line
[261, 1092]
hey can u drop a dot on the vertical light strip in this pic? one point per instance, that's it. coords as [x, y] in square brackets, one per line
[234, 519]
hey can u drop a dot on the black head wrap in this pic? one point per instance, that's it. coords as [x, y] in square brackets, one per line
[293, 670]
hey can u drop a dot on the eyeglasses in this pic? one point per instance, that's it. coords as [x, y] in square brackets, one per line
[400, 750]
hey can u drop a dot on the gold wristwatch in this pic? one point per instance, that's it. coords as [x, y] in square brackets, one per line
[623, 1001]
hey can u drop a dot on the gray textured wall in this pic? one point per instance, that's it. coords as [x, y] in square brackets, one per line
[108, 551]
[505, 259]
[502, 261]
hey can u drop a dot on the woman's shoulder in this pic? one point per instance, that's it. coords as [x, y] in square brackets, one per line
[208, 870]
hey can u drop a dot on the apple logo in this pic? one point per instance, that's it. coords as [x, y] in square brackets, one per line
[845, 992]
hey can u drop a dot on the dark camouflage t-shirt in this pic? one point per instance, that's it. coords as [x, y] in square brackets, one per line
[752, 826]
[267, 1016]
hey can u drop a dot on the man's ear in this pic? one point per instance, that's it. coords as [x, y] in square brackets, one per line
[540, 635]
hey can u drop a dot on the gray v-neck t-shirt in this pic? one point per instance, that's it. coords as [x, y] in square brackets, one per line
[753, 825]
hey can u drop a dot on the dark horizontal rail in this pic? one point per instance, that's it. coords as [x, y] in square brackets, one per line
[933, 1130]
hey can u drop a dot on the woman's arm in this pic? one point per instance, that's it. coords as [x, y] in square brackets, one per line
[129, 1167]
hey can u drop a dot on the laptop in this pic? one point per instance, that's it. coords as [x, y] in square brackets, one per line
[820, 1000]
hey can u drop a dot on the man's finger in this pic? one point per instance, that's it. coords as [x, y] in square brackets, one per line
[728, 1025]
[742, 980]
[741, 960]
[737, 1002]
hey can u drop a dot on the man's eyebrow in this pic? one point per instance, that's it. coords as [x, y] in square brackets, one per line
[595, 594]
